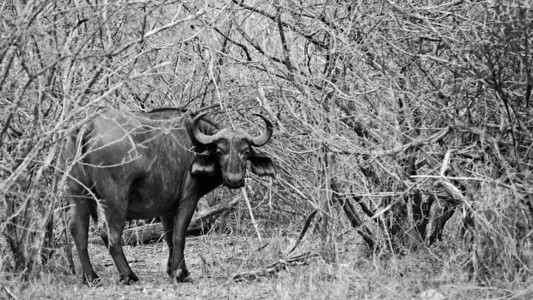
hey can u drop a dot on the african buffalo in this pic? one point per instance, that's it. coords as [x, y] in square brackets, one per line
[152, 164]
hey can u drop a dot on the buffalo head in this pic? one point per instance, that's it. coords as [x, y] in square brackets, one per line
[228, 152]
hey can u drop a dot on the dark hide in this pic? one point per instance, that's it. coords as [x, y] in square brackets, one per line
[138, 166]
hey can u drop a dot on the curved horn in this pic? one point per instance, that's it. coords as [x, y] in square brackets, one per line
[264, 137]
[198, 135]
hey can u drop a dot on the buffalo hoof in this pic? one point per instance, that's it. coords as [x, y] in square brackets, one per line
[183, 276]
[128, 279]
[91, 279]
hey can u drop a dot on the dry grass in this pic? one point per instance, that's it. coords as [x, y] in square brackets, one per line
[213, 258]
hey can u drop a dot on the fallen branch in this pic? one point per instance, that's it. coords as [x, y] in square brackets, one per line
[201, 222]
[273, 268]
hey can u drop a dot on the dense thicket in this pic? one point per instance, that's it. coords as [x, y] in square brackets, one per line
[393, 114]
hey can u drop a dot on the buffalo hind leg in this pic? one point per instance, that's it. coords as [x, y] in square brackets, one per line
[79, 229]
[115, 225]
[168, 227]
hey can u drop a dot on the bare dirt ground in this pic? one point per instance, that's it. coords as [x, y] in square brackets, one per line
[213, 259]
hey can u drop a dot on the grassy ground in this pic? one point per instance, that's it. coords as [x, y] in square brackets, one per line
[212, 259]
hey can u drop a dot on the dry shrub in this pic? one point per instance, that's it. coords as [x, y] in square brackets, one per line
[502, 240]
[369, 100]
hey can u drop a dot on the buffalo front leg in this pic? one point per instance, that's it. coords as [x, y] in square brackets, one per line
[79, 229]
[116, 219]
[181, 223]
[168, 227]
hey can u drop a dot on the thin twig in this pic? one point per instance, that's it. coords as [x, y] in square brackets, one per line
[402, 148]
[304, 230]
[245, 195]
[9, 293]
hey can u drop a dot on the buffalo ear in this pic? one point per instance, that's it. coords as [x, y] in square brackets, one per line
[262, 165]
[203, 165]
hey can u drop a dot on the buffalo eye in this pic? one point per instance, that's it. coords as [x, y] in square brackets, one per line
[220, 152]
[245, 153]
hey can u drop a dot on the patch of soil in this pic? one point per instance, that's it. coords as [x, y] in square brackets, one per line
[210, 260]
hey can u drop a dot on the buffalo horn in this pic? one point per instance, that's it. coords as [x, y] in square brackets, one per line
[264, 137]
[198, 135]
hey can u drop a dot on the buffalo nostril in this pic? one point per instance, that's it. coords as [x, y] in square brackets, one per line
[235, 180]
